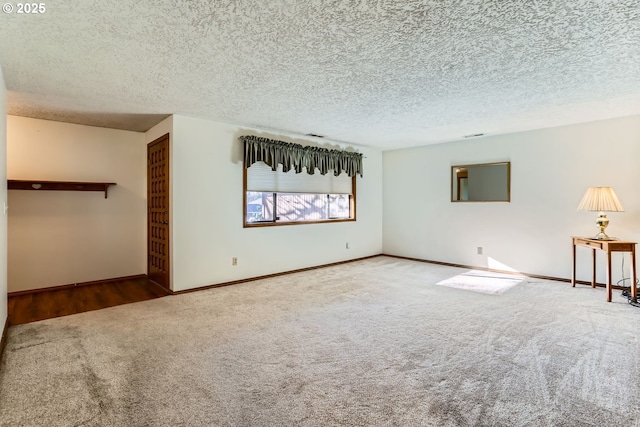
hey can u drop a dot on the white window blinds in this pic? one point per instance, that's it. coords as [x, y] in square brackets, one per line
[260, 177]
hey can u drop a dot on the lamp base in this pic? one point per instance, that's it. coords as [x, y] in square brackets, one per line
[601, 222]
[603, 236]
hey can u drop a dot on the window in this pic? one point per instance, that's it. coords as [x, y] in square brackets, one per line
[296, 207]
[287, 183]
[280, 198]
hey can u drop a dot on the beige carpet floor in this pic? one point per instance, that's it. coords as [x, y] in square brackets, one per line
[378, 342]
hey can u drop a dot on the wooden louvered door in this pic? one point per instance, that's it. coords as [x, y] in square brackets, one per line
[158, 211]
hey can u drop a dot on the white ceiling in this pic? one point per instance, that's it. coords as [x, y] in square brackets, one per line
[371, 72]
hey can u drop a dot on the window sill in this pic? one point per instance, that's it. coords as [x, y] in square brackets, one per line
[277, 224]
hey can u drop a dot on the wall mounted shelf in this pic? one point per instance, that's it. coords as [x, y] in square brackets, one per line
[16, 184]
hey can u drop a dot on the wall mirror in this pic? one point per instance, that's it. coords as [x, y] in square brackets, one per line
[485, 182]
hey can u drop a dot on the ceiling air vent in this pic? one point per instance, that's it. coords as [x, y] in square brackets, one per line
[474, 135]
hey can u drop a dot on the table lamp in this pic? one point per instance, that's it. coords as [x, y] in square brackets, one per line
[601, 199]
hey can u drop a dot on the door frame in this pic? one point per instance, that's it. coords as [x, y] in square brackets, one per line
[162, 139]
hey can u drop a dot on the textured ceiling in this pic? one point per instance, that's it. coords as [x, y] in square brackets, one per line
[371, 72]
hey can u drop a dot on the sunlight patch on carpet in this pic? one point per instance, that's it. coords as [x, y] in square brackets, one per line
[483, 282]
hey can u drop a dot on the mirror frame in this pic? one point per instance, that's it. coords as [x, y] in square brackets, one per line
[454, 177]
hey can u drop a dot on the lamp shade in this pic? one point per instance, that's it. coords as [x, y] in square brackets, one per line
[600, 199]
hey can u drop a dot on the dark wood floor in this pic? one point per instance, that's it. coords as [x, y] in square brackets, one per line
[62, 302]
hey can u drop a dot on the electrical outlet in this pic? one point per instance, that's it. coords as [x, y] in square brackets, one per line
[234, 261]
[479, 250]
[348, 245]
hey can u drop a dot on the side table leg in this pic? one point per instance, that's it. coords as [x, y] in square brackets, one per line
[609, 276]
[573, 266]
[593, 268]
[634, 291]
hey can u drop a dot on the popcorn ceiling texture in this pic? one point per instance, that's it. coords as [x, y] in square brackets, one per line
[373, 72]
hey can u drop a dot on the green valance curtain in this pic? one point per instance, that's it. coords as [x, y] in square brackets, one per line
[296, 156]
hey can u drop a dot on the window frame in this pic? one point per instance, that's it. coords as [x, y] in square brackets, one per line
[276, 223]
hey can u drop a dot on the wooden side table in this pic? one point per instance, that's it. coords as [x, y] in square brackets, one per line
[608, 246]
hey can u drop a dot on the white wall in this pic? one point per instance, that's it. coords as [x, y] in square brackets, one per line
[162, 128]
[59, 237]
[207, 213]
[3, 201]
[550, 171]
